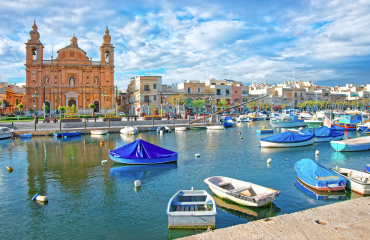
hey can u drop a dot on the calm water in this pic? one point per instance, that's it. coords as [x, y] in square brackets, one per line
[91, 201]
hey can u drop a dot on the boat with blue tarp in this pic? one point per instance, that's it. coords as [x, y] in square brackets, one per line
[228, 122]
[347, 122]
[288, 139]
[320, 195]
[324, 134]
[67, 134]
[264, 130]
[26, 135]
[352, 145]
[142, 152]
[318, 176]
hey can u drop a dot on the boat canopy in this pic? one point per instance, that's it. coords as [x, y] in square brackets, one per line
[228, 118]
[140, 149]
[323, 132]
[288, 137]
[315, 174]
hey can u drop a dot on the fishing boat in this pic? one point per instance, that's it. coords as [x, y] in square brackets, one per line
[320, 195]
[129, 130]
[314, 122]
[352, 145]
[26, 135]
[191, 209]
[67, 134]
[347, 122]
[228, 122]
[325, 134]
[142, 152]
[164, 129]
[318, 176]
[265, 130]
[180, 129]
[357, 181]
[5, 132]
[242, 118]
[287, 122]
[287, 139]
[215, 127]
[99, 132]
[241, 192]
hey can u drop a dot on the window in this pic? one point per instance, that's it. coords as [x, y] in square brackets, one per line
[16, 101]
[189, 90]
[236, 92]
[295, 94]
[154, 86]
[227, 91]
[146, 88]
[301, 95]
[218, 91]
[199, 90]
[155, 97]
[285, 95]
[222, 83]
[146, 98]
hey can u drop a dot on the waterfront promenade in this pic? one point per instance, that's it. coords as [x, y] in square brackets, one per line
[344, 220]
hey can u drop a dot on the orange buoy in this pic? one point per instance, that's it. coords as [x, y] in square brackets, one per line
[102, 143]
[349, 137]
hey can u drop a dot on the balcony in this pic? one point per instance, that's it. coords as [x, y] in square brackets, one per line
[227, 95]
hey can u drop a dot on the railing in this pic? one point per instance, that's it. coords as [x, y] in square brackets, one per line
[96, 63]
[146, 90]
[227, 95]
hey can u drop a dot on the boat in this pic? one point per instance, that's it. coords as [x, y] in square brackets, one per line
[265, 130]
[325, 134]
[26, 135]
[263, 115]
[241, 192]
[357, 181]
[347, 122]
[287, 139]
[274, 115]
[352, 145]
[191, 209]
[198, 127]
[215, 127]
[318, 176]
[5, 132]
[290, 112]
[287, 122]
[314, 122]
[252, 117]
[365, 128]
[305, 115]
[142, 152]
[242, 118]
[320, 195]
[367, 168]
[67, 134]
[181, 129]
[129, 130]
[99, 132]
[228, 122]
[164, 129]
[292, 130]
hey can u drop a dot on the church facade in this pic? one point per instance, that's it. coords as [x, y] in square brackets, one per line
[72, 78]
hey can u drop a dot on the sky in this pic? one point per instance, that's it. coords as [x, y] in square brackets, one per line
[324, 41]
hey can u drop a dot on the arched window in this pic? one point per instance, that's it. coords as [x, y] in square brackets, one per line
[34, 54]
[106, 56]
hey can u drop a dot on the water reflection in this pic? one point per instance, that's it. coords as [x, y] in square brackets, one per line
[140, 172]
[338, 157]
[249, 213]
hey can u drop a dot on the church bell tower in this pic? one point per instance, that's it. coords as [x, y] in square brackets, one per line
[107, 50]
[34, 48]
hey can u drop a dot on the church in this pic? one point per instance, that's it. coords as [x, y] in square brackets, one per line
[72, 78]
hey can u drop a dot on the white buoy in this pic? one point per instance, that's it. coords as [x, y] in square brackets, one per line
[197, 155]
[104, 162]
[317, 152]
[269, 161]
[40, 198]
[137, 183]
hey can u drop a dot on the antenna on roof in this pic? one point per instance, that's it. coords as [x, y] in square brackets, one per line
[52, 51]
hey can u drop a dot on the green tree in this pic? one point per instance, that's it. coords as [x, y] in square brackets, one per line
[61, 109]
[352, 104]
[152, 108]
[252, 105]
[71, 111]
[106, 108]
[46, 108]
[266, 106]
[199, 103]
[222, 103]
[284, 106]
[92, 106]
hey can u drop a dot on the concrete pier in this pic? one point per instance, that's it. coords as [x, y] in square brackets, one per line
[343, 220]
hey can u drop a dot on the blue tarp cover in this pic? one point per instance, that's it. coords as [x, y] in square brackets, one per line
[141, 149]
[288, 137]
[315, 174]
[228, 118]
[323, 132]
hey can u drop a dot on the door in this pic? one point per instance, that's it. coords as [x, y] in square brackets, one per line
[97, 107]
[48, 108]
[72, 102]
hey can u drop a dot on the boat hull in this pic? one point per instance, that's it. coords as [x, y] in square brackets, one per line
[5, 135]
[99, 132]
[354, 184]
[343, 127]
[192, 221]
[327, 139]
[265, 131]
[143, 160]
[341, 146]
[314, 124]
[215, 128]
[26, 135]
[287, 124]
[283, 145]
[328, 188]
[129, 130]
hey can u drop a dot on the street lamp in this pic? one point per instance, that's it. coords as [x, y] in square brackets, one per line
[161, 104]
[23, 105]
[210, 99]
[105, 102]
[35, 96]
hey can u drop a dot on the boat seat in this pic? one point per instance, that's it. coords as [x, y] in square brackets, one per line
[262, 196]
[221, 184]
[241, 189]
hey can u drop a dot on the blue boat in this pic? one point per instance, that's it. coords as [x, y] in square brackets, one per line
[352, 145]
[287, 139]
[367, 168]
[318, 176]
[319, 195]
[67, 134]
[26, 135]
[142, 152]
[347, 122]
[324, 134]
[365, 128]
[264, 130]
[228, 122]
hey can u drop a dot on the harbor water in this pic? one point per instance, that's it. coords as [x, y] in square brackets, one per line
[88, 200]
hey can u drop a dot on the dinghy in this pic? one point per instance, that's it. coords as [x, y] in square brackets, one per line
[265, 130]
[244, 193]
[67, 134]
[287, 122]
[217, 127]
[5, 132]
[325, 134]
[228, 122]
[191, 209]
[318, 176]
[26, 135]
[287, 139]
[99, 132]
[129, 130]
[180, 129]
[198, 127]
[142, 152]
[352, 145]
[357, 181]
[164, 129]
[320, 195]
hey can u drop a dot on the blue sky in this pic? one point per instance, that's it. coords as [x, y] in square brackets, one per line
[327, 42]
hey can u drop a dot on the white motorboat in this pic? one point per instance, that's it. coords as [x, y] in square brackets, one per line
[358, 182]
[215, 127]
[242, 118]
[189, 209]
[244, 193]
[352, 145]
[314, 122]
[286, 122]
[5, 132]
[129, 130]
[99, 132]
[305, 115]
[180, 129]
[164, 129]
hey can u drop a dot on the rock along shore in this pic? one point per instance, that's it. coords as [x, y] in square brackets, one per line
[344, 220]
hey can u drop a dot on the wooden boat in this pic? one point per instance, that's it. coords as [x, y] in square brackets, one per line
[26, 135]
[357, 181]
[347, 122]
[180, 129]
[244, 193]
[320, 195]
[67, 134]
[191, 209]
[99, 132]
[215, 127]
[129, 130]
[142, 152]
[265, 130]
[5, 132]
[287, 139]
[318, 176]
[352, 145]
